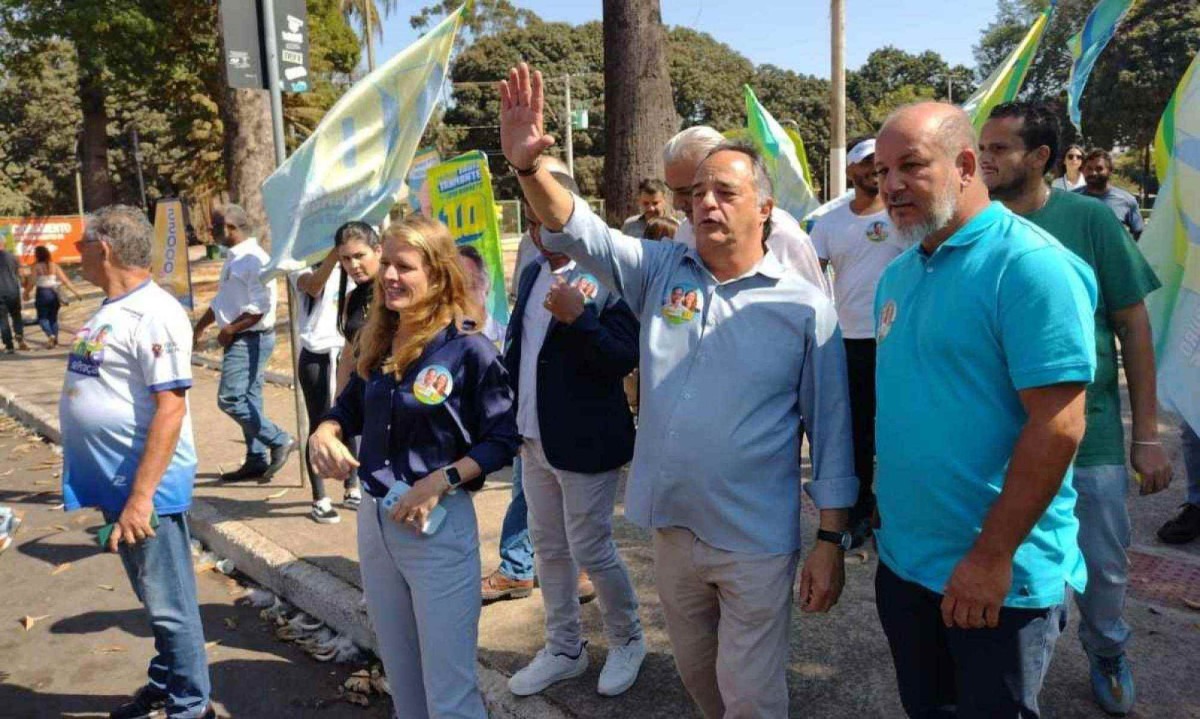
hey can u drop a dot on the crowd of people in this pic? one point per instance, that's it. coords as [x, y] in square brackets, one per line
[956, 381]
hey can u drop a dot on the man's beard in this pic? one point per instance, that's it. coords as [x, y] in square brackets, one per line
[1010, 190]
[940, 214]
[1096, 183]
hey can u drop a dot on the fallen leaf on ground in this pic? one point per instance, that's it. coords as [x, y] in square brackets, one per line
[5, 474]
[1191, 603]
[277, 495]
[60, 527]
[60, 568]
[106, 587]
[231, 622]
[28, 621]
[859, 557]
[113, 649]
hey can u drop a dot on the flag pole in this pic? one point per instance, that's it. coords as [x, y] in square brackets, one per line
[271, 41]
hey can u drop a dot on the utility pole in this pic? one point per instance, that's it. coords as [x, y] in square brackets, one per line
[78, 176]
[837, 113]
[949, 88]
[570, 121]
[271, 43]
[137, 161]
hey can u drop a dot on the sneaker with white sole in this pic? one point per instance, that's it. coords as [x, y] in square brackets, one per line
[352, 499]
[546, 669]
[324, 513]
[621, 667]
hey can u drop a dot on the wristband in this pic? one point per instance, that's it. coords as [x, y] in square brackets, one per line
[529, 171]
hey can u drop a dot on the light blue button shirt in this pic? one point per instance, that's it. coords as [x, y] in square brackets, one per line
[998, 308]
[729, 371]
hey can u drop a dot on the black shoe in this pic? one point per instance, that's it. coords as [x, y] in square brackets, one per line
[1183, 527]
[248, 471]
[279, 456]
[145, 704]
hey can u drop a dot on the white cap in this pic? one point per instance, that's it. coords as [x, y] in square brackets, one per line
[861, 151]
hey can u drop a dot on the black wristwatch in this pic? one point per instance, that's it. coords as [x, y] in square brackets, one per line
[453, 479]
[841, 539]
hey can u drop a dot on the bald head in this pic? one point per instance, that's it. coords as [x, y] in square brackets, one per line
[928, 162]
[947, 126]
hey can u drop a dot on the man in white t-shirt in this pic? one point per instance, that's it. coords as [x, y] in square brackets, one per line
[320, 346]
[244, 309]
[127, 450]
[857, 240]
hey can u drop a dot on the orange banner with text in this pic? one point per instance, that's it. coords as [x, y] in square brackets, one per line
[58, 233]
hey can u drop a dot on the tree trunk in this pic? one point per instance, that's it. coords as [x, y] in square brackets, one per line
[98, 189]
[639, 114]
[249, 152]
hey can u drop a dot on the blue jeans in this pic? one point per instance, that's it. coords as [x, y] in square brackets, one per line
[46, 301]
[964, 673]
[160, 570]
[1104, 535]
[1191, 461]
[516, 549]
[240, 394]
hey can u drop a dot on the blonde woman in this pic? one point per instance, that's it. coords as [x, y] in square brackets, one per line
[422, 586]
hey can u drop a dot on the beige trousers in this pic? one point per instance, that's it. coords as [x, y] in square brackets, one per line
[728, 616]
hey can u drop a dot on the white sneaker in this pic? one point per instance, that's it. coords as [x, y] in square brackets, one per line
[621, 667]
[546, 669]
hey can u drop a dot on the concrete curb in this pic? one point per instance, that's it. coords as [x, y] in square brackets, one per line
[307, 586]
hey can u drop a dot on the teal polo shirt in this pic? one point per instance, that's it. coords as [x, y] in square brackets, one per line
[999, 307]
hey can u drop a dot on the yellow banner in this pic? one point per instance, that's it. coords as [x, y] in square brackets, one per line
[169, 258]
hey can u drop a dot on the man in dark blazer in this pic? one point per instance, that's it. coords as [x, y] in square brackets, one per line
[569, 345]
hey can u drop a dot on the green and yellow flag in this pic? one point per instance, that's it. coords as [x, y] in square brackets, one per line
[1171, 244]
[783, 153]
[1005, 82]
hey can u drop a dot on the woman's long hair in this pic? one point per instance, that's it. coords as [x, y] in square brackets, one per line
[447, 298]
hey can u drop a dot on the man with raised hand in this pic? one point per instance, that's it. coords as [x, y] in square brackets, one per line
[716, 466]
[985, 347]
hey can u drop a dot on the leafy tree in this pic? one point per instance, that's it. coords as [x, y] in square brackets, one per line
[706, 79]
[479, 19]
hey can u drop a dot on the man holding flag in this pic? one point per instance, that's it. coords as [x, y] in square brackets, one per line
[1019, 143]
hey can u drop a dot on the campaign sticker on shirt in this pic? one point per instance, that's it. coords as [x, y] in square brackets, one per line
[587, 286]
[877, 231]
[87, 351]
[682, 303]
[887, 316]
[433, 385]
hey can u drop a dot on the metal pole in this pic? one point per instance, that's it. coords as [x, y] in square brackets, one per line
[272, 47]
[837, 114]
[570, 141]
[949, 88]
[137, 161]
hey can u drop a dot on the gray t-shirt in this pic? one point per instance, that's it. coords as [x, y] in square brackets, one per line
[10, 279]
[1123, 205]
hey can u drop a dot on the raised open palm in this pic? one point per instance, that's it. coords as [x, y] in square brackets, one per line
[522, 138]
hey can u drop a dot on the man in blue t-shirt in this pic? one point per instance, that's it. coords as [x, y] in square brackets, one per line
[1097, 171]
[127, 450]
[985, 348]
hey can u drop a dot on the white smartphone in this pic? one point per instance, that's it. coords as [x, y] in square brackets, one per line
[398, 489]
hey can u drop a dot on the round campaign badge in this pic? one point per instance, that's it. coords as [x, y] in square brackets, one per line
[433, 385]
[682, 303]
[877, 231]
[587, 286]
[886, 317]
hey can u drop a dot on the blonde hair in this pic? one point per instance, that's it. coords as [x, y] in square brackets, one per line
[447, 299]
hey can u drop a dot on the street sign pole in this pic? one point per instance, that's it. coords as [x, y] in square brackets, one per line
[271, 45]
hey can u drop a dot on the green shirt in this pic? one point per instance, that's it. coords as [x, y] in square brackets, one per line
[1089, 229]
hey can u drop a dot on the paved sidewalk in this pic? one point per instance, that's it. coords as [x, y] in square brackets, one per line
[840, 664]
